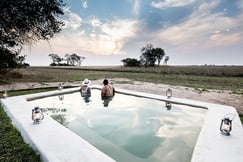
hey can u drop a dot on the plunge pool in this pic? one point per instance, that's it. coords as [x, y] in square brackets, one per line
[125, 129]
[128, 128]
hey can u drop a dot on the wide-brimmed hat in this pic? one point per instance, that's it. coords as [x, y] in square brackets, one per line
[86, 82]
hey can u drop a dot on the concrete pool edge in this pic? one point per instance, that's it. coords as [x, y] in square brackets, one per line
[210, 146]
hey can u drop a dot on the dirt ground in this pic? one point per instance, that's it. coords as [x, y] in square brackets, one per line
[212, 96]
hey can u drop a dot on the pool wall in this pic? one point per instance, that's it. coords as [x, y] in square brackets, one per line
[55, 143]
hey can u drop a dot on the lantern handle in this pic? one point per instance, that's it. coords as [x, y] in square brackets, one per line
[230, 115]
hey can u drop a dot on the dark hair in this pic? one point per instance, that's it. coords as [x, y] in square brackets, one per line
[105, 82]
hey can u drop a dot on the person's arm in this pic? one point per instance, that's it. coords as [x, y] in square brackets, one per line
[103, 92]
[89, 91]
[113, 91]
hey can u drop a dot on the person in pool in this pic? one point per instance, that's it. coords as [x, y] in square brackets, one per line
[108, 90]
[107, 93]
[85, 90]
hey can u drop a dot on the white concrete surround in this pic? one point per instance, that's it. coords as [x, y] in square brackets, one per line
[55, 143]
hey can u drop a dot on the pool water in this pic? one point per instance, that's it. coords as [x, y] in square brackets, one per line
[129, 128]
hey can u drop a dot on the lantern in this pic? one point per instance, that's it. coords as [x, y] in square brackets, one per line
[37, 115]
[226, 124]
[168, 105]
[5, 94]
[168, 93]
[60, 86]
[61, 97]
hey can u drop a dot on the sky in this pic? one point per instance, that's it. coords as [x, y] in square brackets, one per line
[191, 32]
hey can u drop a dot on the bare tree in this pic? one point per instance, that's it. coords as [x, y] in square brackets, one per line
[166, 59]
[82, 58]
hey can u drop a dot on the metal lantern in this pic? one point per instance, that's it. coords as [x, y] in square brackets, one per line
[168, 93]
[168, 105]
[226, 124]
[37, 115]
[5, 94]
[60, 86]
[61, 97]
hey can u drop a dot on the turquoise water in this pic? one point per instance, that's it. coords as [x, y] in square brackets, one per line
[129, 128]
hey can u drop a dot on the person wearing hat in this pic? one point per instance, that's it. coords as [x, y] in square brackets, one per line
[85, 89]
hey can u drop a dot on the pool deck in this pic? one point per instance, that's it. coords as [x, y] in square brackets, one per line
[55, 143]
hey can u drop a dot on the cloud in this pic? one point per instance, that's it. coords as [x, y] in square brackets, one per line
[225, 39]
[136, 7]
[110, 40]
[71, 20]
[206, 8]
[116, 33]
[171, 3]
[120, 28]
[84, 4]
[95, 22]
[203, 30]
[240, 4]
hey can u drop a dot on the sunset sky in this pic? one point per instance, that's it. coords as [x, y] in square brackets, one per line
[192, 32]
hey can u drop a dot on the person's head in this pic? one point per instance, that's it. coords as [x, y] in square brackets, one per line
[105, 82]
[86, 82]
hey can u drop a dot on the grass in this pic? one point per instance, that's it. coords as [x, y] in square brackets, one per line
[13, 148]
[202, 77]
[241, 118]
[23, 92]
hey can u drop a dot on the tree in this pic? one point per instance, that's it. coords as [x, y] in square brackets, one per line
[166, 59]
[131, 62]
[159, 54]
[21, 61]
[26, 21]
[74, 59]
[82, 58]
[67, 58]
[148, 57]
[7, 59]
[55, 59]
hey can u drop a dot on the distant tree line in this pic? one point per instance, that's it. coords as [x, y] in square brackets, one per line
[23, 22]
[148, 58]
[68, 60]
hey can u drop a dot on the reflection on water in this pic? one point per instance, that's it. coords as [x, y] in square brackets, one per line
[85, 98]
[61, 97]
[129, 128]
[106, 100]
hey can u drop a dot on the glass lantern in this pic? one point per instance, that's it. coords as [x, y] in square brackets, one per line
[5, 94]
[61, 97]
[168, 105]
[60, 86]
[226, 124]
[168, 94]
[37, 115]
